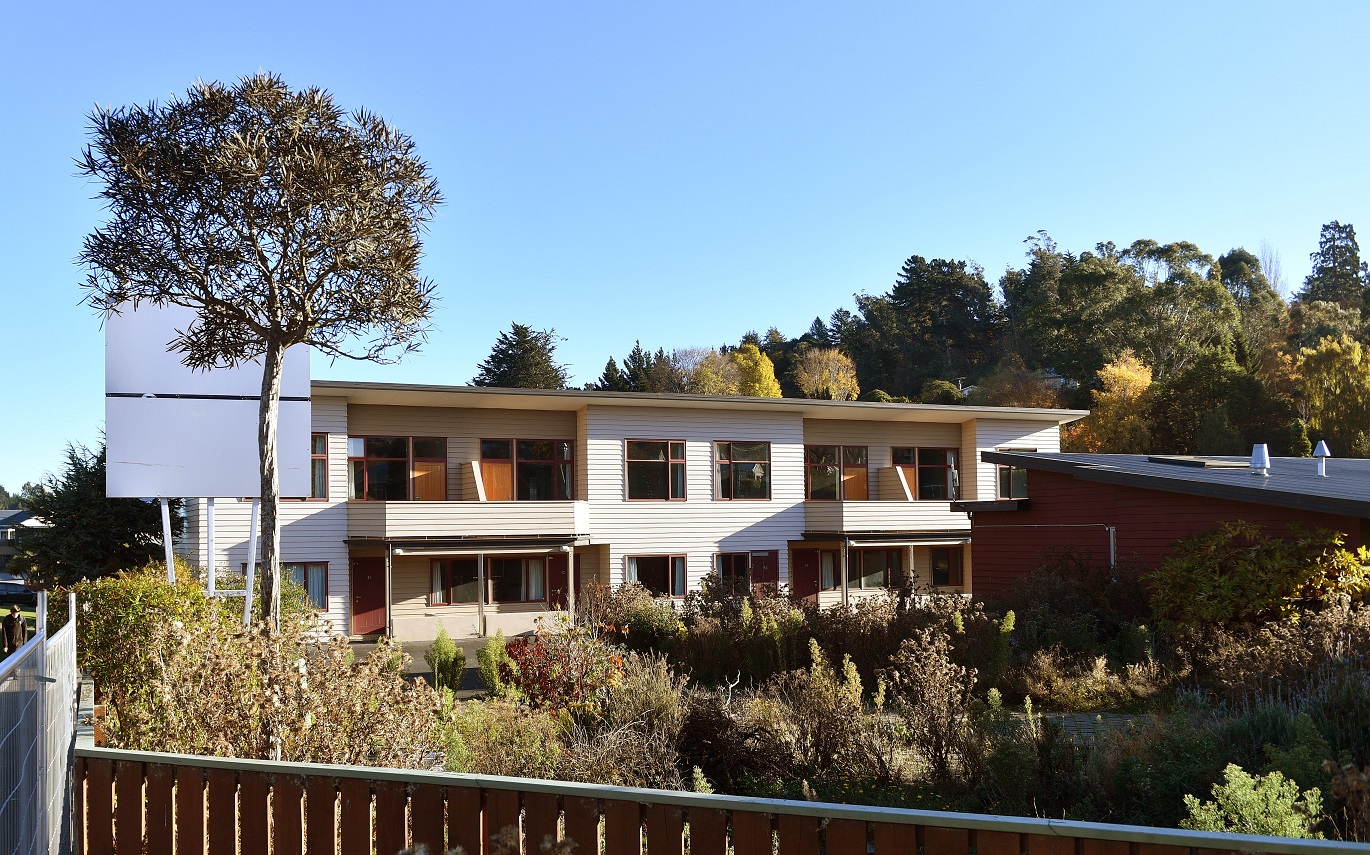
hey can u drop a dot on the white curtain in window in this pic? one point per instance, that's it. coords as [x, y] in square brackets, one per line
[438, 592]
[632, 569]
[678, 576]
[829, 575]
[318, 586]
[534, 580]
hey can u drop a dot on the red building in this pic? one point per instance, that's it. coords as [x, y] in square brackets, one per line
[1134, 507]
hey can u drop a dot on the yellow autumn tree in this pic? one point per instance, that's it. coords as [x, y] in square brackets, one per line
[1335, 377]
[756, 373]
[1118, 422]
[826, 372]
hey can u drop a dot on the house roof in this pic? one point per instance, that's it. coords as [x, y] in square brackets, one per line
[1293, 481]
[406, 394]
[9, 519]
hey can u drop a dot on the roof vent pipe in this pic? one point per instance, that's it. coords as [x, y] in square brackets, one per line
[1322, 452]
[1260, 460]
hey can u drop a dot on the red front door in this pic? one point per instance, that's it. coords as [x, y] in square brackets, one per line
[804, 564]
[368, 596]
[559, 581]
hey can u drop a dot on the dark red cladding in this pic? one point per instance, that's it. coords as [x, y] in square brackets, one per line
[1148, 522]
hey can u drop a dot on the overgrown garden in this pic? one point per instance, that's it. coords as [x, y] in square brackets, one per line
[1239, 711]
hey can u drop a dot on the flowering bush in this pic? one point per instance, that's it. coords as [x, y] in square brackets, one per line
[563, 666]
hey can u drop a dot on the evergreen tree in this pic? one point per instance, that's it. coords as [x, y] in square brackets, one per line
[87, 535]
[522, 358]
[1339, 276]
[612, 380]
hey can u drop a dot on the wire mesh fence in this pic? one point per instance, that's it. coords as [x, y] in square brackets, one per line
[38, 692]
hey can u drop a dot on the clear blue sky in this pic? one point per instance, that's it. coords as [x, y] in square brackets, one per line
[685, 173]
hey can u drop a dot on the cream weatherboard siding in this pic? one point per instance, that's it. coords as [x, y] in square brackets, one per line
[990, 434]
[311, 530]
[701, 526]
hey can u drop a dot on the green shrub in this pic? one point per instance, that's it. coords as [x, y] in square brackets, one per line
[1143, 773]
[1264, 804]
[446, 660]
[493, 662]
[499, 737]
[1238, 574]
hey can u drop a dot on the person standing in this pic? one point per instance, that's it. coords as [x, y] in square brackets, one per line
[15, 629]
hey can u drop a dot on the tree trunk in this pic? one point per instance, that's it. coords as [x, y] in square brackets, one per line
[268, 417]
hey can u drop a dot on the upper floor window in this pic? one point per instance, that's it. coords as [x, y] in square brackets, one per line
[931, 472]
[397, 468]
[318, 466]
[656, 469]
[1012, 482]
[744, 470]
[836, 472]
[529, 470]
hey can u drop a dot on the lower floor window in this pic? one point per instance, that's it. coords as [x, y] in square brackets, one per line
[874, 568]
[947, 566]
[455, 580]
[310, 575]
[828, 578]
[517, 580]
[732, 572]
[313, 577]
[663, 575]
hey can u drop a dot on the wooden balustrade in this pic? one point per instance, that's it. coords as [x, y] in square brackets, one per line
[160, 804]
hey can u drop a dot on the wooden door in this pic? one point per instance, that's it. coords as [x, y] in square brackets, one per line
[804, 570]
[765, 568]
[368, 596]
[559, 580]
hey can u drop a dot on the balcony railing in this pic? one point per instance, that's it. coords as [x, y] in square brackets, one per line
[884, 516]
[166, 803]
[465, 519]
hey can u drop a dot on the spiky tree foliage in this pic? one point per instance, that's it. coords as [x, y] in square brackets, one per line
[523, 358]
[84, 534]
[279, 218]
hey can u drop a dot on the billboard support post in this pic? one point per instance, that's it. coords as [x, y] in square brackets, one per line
[209, 521]
[251, 562]
[166, 540]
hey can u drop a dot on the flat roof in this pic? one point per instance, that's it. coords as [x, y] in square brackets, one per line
[1293, 481]
[419, 395]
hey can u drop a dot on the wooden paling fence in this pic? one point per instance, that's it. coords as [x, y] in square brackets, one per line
[135, 802]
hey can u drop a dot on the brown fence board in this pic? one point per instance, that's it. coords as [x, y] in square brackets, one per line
[540, 816]
[128, 807]
[752, 832]
[846, 837]
[798, 835]
[665, 830]
[501, 812]
[708, 832]
[998, 843]
[622, 827]
[99, 807]
[320, 806]
[190, 810]
[287, 815]
[463, 819]
[253, 789]
[1050, 844]
[892, 838]
[1104, 847]
[223, 812]
[582, 824]
[354, 816]
[392, 798]
[78, 808]
[160, 779]
[946, 841]
[426, 820]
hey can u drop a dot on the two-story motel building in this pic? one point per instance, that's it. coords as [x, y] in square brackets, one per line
[485, 508]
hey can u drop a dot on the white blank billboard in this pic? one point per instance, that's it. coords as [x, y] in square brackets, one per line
[175, 433]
